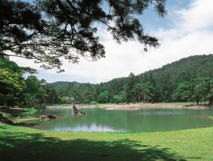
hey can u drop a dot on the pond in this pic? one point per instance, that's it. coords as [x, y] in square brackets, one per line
[98, 120]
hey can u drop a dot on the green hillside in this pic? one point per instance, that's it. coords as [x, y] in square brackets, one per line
[159, 85]
[184, 69]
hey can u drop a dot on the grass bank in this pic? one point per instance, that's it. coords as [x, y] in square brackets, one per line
[19, 115]
[21, 143]
[211, 117]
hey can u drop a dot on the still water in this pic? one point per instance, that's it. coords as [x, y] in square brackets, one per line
[97, 120]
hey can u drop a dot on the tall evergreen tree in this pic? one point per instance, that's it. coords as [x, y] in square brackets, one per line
[52, 30]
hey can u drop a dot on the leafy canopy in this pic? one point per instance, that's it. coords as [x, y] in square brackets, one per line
[51, 30]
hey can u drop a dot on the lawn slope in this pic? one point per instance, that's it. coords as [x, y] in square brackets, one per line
[26, 144]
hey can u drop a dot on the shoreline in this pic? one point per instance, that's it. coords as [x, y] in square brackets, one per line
[135, 106]
[155, 106]
[70, 106]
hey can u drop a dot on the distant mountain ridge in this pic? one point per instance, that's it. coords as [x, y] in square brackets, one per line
[183, 69]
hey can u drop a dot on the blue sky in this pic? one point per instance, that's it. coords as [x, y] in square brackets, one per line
[151, 20]
[186, 30]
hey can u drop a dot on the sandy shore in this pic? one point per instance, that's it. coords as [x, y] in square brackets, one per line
[152, 106]
[135, 106]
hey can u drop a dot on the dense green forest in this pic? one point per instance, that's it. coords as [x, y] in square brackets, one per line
[189, 79]
[19, 90]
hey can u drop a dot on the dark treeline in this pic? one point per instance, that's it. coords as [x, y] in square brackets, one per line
[189, 79]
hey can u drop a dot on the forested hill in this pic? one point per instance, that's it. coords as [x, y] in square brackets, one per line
[184, 69]
[158, 85]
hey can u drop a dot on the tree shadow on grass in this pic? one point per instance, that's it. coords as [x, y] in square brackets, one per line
[36, 147]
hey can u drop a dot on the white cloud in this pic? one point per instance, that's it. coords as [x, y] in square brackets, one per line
[191, 34]
[198, 16]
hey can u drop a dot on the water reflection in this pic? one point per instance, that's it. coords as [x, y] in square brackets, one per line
[88, 128]
[98, 120]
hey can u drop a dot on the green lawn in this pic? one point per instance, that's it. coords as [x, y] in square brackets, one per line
[19, 143]
[25, 144]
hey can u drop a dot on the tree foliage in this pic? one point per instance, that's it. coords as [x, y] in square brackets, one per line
[17, 90]
[51, 30]
[190, 79]
[166, 84]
